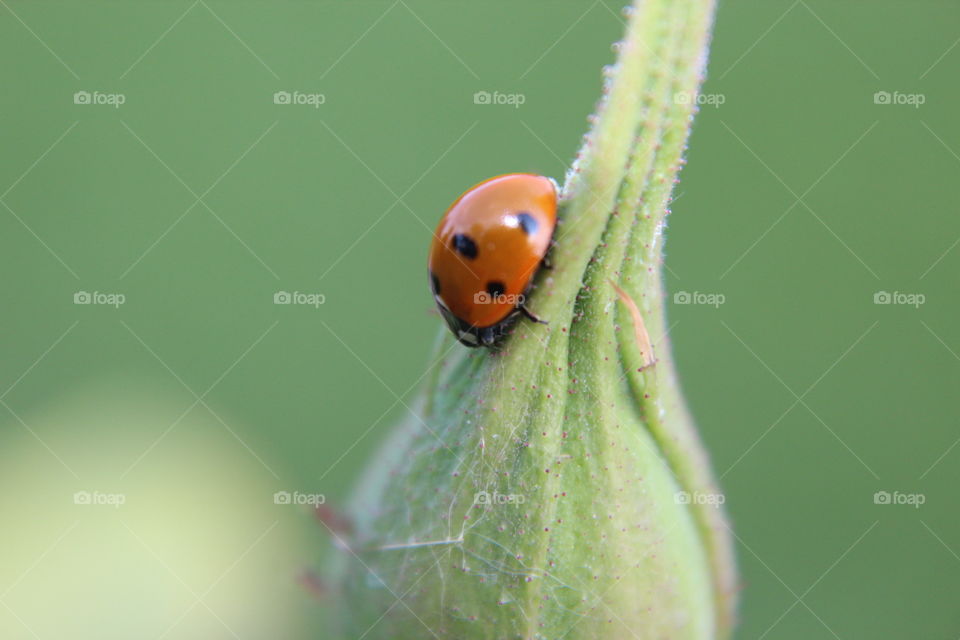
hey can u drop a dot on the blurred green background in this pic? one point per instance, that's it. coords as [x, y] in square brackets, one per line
[199, 198]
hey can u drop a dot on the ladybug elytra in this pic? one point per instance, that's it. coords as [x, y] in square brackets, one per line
[487, 250]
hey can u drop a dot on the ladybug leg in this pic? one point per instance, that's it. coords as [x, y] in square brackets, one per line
[546, 262]
[531, 316]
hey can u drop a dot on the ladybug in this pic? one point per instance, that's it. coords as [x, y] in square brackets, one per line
[487, 250]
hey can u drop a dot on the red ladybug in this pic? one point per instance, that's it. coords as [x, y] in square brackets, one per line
[487, 249]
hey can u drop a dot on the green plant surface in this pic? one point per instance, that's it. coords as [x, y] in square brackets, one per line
[556, 487]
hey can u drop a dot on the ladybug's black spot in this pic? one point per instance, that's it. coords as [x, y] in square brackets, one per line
[496, 288]
[434, 284]
[528, 223]
[465, 246]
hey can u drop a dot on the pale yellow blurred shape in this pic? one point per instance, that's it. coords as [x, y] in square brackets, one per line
[197, 551]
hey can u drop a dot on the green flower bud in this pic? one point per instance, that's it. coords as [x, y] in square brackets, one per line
[556, 488]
